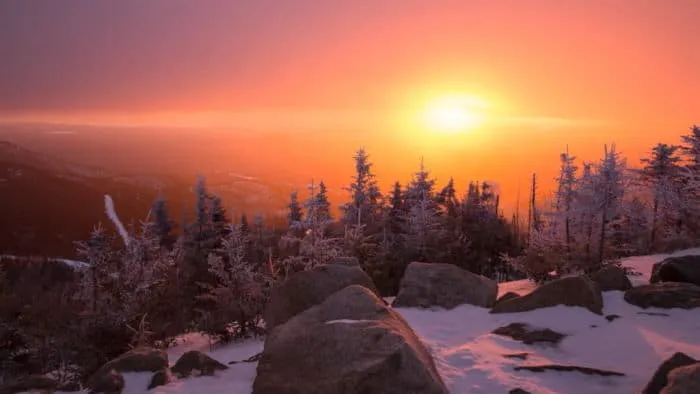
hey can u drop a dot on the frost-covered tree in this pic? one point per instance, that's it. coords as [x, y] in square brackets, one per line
[164, 225]
[97, 279]
[296, 213]
[565, 197]
[238, 294]
[662, 173]
[610, 183]
[691, 181]
[365, 197]
[423, 216]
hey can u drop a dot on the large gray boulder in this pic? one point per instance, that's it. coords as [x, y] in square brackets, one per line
[665, 295]
[351, 343]
[677, 269]
[426, 285]
[309, 288]
[572, 291]
[683, 380]
[143, 359]
[612, 278]
[660, 378]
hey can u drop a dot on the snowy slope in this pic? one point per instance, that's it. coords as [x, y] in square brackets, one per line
[470, 358]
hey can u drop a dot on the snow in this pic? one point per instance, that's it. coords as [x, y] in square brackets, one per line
[112, 214]
[471, 360]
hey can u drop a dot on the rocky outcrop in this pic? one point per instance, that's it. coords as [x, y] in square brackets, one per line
[568, 368]
[572, 291]
[612, 278]
[660, 378]
[351, 343]
[683, 380]
[677, 269]
[196, 361]
[160, 378]
[426, 285]
[505, 297]
[529, 335]
[108, 378]
[306, 289]
[665, 295]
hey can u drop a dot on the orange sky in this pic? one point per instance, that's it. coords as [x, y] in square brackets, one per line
[355, 72]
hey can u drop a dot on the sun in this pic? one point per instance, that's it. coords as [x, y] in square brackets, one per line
[454, 114]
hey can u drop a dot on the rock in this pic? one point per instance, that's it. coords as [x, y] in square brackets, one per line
[306, 289]
[30, 383]
[665, 295]
[521, 356]
[351, 343]
[505, 297]
[69, 387]
[528, 335]
[677, 269]
[106, 381]
[611, 318]
[660, 314]
[143, 359]
[160, 378]
[196, 361]
[683, 380]
[660, 378]
[611, 278]
[346, 261]
[568, 368]
[571, 291]
[426, 285]
[518, 391]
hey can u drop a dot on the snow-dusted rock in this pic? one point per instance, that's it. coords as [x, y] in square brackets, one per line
[306, 289]
[612, 278]
[665, 295]
[683, 380]
[507, 296]
[142, 359]
[677, 269]
[572, 291]
[368, 349]
[660, 378]
[426, 285]
[195, 360]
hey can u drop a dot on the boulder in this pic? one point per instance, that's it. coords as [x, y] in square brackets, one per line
[660, 378]
[611, 278]
[505, 297]
[160, 378]
[677, 269]
[683, 380]
[142, 359]
[570, 291]
[351, 343]
[426, 285]
[529, 335]
[309, 288]
[30, 383]
[665, 295]
[106, 381]
[196, 361]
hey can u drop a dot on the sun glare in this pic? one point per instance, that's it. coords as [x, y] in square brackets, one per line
[454, 114]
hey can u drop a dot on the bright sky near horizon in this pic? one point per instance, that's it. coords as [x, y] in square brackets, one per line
[576, 72]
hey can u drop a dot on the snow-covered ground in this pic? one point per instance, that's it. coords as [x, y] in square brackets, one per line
[471, 359]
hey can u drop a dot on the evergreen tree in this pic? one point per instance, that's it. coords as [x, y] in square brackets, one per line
[95, 282]
[662, 174]
[365, 196]
[164, 225]
[610, 184]
[296, 215]
[565, 197]
[423, 217]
